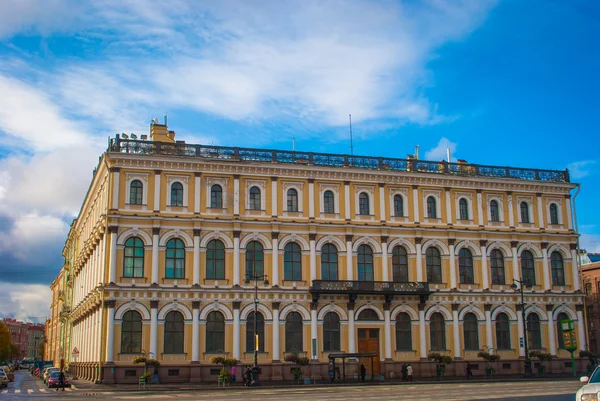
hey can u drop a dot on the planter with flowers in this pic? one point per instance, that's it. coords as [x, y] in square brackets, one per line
[441, 362]
[300, 361]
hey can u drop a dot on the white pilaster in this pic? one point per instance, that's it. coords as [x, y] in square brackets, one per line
[275, 261]
[449, 208]
[387, 333]
[157, 190]
[154, 327]
[236, 332]
[416, 203]
[488, 331]
[236, 259]
[480, 208]
[236, 195]
[515, 265]
[546, 268]
[155, 257]
[351, 345]
[385, 276]
[195, 332]
[452, 266]
[419, 257]
[551, 336]
[275, 327]
[110, 327]
[116, 187]
[311, 199]
[197, 194]
[313, 259]
[575, 270]
[569, 221]
[349, 262]
[196, 265]
[313, 331]
[520, 332]
[456, 333]
[581, 343]
[347, 199]
[113, 254]
[540, 213]
[422, 338]
[484, 268]
[511, 214]
[381, 203]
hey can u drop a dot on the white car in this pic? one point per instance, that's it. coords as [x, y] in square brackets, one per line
[589, 392]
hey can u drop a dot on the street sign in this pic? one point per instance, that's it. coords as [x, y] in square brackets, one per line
[567, 325]
[521, 344]
[75, 351]
[314, 348]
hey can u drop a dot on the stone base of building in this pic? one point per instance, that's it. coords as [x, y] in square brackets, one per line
[195, 373]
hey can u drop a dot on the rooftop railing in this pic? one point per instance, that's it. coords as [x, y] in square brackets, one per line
[132, 146]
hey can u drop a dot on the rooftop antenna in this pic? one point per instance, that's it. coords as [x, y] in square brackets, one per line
[293, 144]
[417, 152]
[448, 151]
[165, 119]
[351, 145]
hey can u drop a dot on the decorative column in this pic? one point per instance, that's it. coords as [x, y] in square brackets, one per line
[569, 222]
[351, 345]
[419, 257]
[574, 269]
[196, 268]
[349, 262]
[581, 327]
[515, 262]
[384, 259]
[275, 258]
[196, 331]
[484, 268]
[347, 199]
[422, 337]
[453, 284]
[154, 327]
[236, 257]
[274, 207]
[416, 202]
[387, 331]
[382, 201]
[488, 327]
[155, 240]
[313, 329]
[275, 327]
[236, 329]
[116, 186]
[313, 257]
[197, 194]
[540, 211]
[448, 206]
[511, 214]
[520, 330]
[480, 208]
[114, 230]
[311, 198]
[110, 327]
[546, 267]
[456, 331]
[236, 195]
[157, 190]
[551, 328]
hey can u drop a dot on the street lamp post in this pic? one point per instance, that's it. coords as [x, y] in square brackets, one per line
[528, 371]
[256, 368]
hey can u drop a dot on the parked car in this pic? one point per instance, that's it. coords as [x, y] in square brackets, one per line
[591, 387]
[48, 371]
[3, 379]
[9, 373]
[53, 380]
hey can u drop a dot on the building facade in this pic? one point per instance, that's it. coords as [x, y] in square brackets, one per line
[399, 258]
[26, 336]
[35, 337]
[590, 277]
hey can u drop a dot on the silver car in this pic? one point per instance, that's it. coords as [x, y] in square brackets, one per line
[589, 392]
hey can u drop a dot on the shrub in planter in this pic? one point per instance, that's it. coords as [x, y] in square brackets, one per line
[486, 356]
[542, 356]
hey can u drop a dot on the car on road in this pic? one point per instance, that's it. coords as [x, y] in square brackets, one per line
[3, 379]
[47, 372]
[53, 380]
[591, 387]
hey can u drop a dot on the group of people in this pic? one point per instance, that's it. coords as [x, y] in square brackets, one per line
[407, 372]
[334, 372]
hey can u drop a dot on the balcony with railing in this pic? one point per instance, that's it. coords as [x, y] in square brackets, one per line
[250, 155]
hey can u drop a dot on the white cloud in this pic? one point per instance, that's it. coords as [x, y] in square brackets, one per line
[581, 169]
[590, 242]
[440, 151]
[26, 302]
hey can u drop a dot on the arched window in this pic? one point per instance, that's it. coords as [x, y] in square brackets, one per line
[328, 202]
[497, 267]
[463, 208]
[433, 262]
[527, 268]
[215, 332]
[175, 259]
[465, 266]
[403, 332]
[331, 332]
[553, 213]
[260, 329]
[558, 270]
[400, 265]
[216, 197]
[255, 259]
[437, 328]
[363, 204]
[471, 332]
[136, 192]
[365, 263]
[329, 262]
[293, 333]
[368, 315]
[502, 331]
[176, 194]
[215, 260]
[524, 212]
[292, 262]
[174, 328]
[131, 333]
[254, 201]
[398, 206]
[559, 330]
[292, 200]
[494, 211]
[534, 332]
[431, 207]
[133, 258]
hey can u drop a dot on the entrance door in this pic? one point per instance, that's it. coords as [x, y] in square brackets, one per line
[368, 341]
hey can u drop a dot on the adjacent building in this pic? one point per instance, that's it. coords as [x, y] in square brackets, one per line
[35, 337]
[26, 336]
[176, 245]
[590, 276]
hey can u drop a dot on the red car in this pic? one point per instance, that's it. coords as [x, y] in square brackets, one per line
[53, 380]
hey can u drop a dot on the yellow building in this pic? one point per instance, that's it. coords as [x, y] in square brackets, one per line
[393, 257]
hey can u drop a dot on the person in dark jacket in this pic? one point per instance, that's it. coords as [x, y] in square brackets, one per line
[61, 381]
[363, 372]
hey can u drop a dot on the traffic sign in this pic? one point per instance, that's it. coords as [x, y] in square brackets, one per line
[75, 351]
[521, 344]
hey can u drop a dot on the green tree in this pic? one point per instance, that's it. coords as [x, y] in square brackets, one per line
[5, 342]
[40, 348]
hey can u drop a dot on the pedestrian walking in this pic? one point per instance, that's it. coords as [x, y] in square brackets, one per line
[404, 372]
[155, 378]
[409, 372]
[337, 372]
[61, 381]
[331, 374]
[248, 376]
[233, 372]
[363, 372]
[469, 371]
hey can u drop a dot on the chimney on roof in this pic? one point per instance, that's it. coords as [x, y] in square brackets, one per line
[160, 132]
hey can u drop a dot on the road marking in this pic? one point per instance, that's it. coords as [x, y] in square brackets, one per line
[74, 387]
[29, 390]
[17, 391]
[4, 391]
[68, 389]
[42, 390]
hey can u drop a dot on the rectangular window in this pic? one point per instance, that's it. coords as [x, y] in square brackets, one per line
[506, 366]
[173, 372]
[130, 373]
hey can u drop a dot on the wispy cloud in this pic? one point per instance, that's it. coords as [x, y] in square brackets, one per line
[440, 152]
[26, 302]
[581, 169]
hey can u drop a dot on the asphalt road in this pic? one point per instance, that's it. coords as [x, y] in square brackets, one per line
[27, 387]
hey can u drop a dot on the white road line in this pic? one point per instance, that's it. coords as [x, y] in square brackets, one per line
[68, 389]
[17, 391]
[30, 391]
[74, 387]
[43, 390]
[4, 391]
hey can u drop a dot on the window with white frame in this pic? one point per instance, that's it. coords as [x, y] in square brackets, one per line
[554, 214]
[177, 186]
[137, 189]
[398, 205]
[328, 202]
[254, 198]
[431, 207]
[463, 209]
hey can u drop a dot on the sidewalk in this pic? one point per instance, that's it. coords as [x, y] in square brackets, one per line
[84, 385]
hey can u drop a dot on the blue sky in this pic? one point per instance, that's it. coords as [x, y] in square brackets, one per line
[499, 82]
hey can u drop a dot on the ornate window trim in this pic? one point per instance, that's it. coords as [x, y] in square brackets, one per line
[529, 201]
[223, 182]
[559, 204]
[500, 199]
[299, 187]
[468, 196]
[143, 177]
[438, 206]
[403, 192]
[335, 188]
[262, 185]
[171, 179]
[370, 191]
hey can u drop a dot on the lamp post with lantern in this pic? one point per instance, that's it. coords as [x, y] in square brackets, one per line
[254, 276]
[514, 286]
